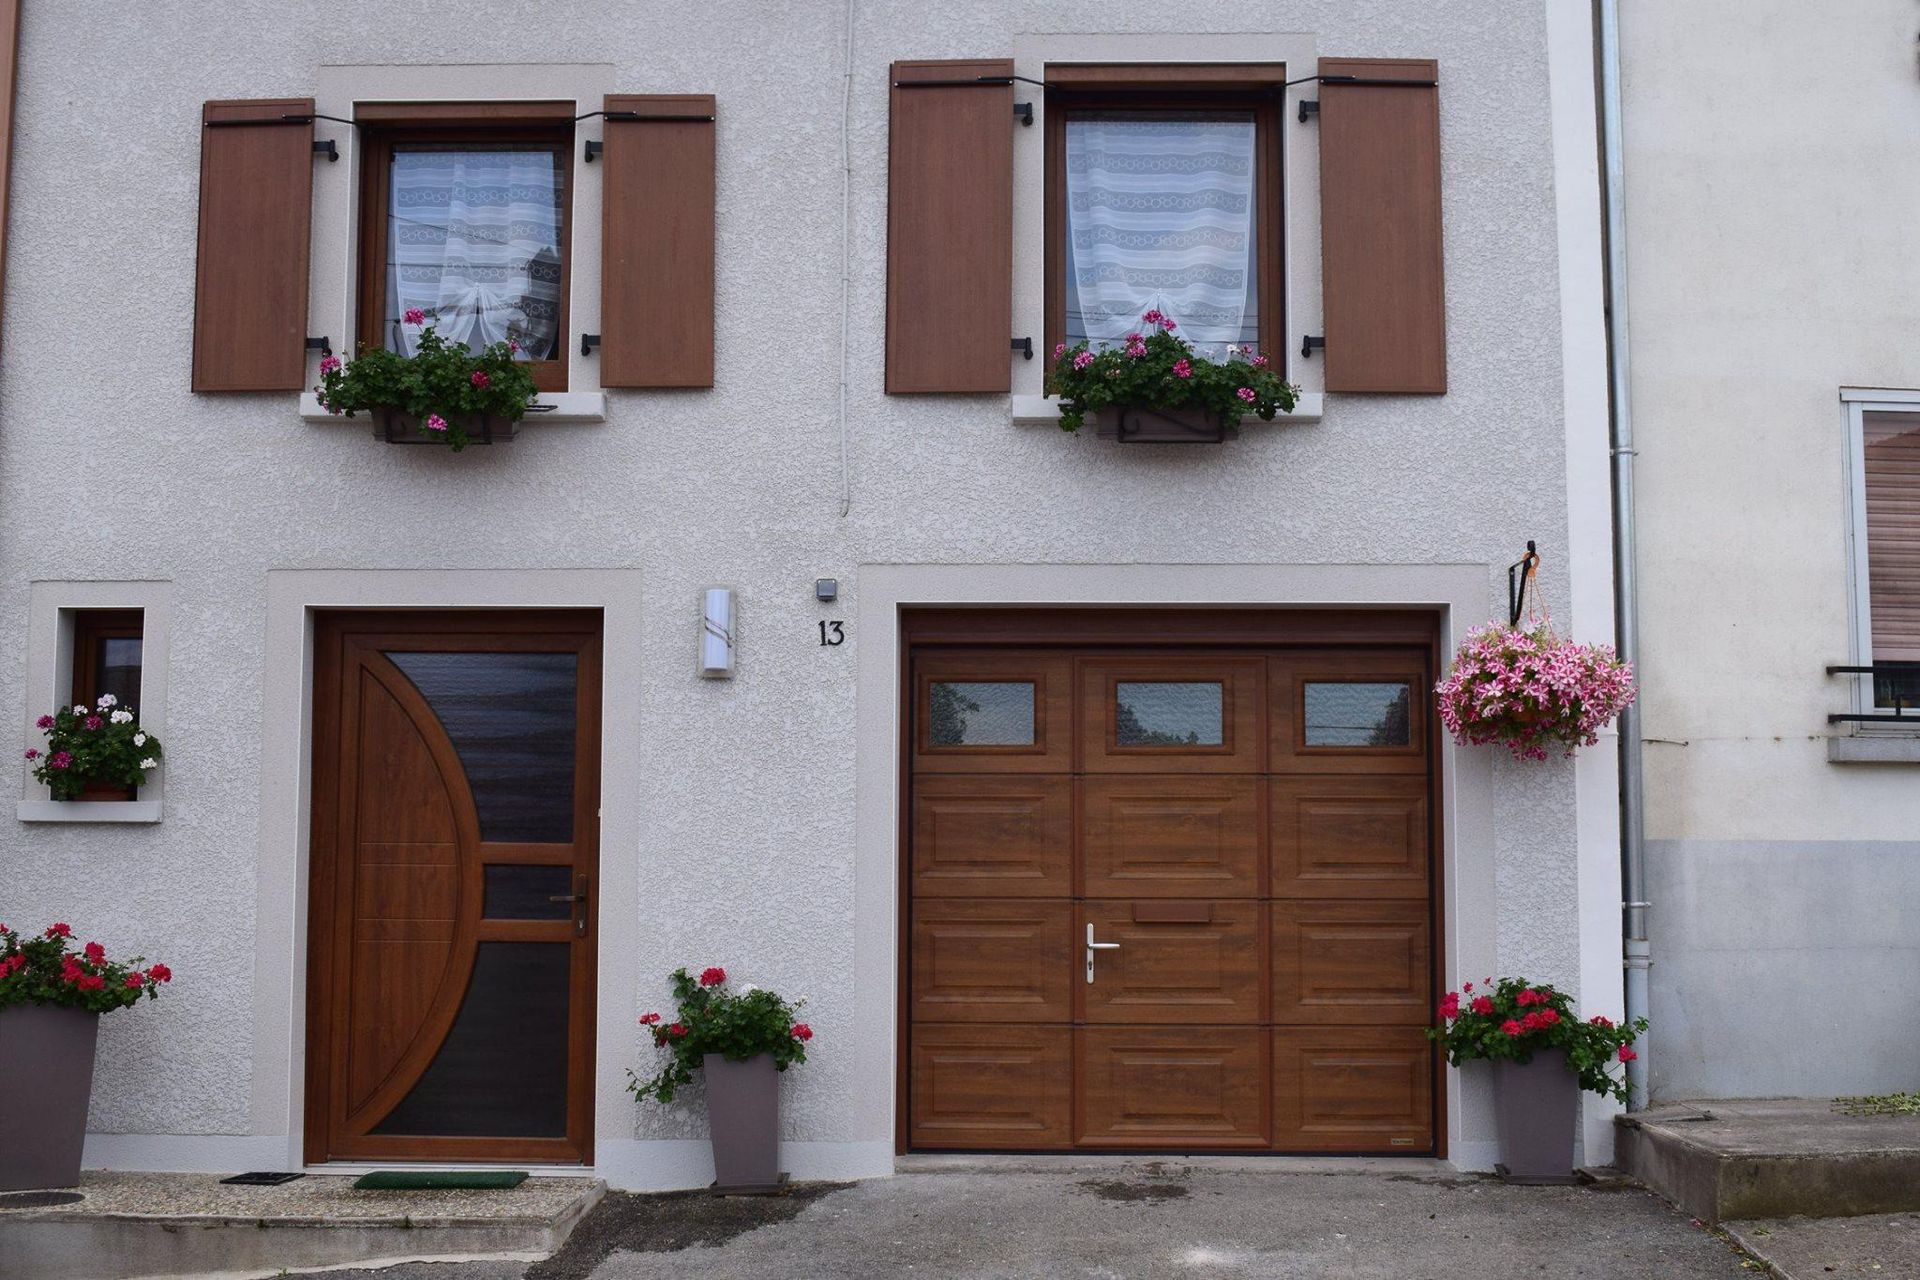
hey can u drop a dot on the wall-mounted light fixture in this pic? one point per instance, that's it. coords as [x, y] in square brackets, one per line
[716, 634]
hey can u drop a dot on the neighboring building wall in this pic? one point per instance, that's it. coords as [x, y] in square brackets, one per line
[731, 819]
[1771, 179]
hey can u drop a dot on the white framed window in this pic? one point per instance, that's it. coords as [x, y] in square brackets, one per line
[1883, 472]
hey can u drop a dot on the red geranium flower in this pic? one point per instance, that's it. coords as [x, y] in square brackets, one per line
[1601, 1020]
[1548, 1017]
[1511, 1027]
[677, 1029]
[1450, 1007]
[802, 1032]
[59, 931]
[160, 973]
[648, 1019]
[92, 982]
[96, 954]
[1627, 1054]
[713, 977]
[1482, 1004]
[135, 980]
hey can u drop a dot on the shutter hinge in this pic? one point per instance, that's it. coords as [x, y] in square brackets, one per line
[1309, 344]
[1024, 346]
[325, 147]
[588, 341]
[1309, 107]
[594, 148]
[323, 345]
[1024, 110]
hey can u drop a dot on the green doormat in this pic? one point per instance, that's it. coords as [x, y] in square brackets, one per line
[440, 1180]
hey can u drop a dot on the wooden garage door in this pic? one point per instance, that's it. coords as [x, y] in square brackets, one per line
[1169, 882]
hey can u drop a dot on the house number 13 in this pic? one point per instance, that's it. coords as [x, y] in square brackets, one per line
[833, 633]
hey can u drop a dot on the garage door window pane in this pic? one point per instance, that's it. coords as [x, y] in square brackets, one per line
[981, 713]
[1166, 714]
[1358, 715]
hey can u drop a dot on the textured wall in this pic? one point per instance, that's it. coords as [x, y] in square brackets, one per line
[110, 468]
[1772, 264]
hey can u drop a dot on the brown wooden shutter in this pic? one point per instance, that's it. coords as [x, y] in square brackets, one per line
[656, 263]
[950, 227]
[256, 217]
[1893, 534]
[1380, 234]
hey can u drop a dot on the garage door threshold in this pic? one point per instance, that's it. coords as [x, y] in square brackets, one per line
[130, 1226]
[1163, 1165]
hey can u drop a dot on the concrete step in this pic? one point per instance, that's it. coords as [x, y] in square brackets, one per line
[132, 1226]
[1773, 1158]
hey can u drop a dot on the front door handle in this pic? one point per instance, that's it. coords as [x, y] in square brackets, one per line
[579, 900]
[1093, 946]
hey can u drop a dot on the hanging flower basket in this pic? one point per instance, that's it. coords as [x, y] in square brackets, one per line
[441, 394]
[1531, 691]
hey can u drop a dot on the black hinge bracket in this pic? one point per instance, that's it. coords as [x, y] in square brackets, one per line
[1024, 112]
[594, 148]
[1310, 344]
[588, 341]
[325, 147]
[1024, 346]
[323, 345]
[1309, 108]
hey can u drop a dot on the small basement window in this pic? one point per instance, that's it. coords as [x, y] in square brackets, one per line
[465, 213]
[1163, 194]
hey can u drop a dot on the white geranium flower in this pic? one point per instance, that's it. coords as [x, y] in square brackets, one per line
[121, 717]
[139, 739]
[149, 763]
[108, 700]
[82, 709]
[745, 987]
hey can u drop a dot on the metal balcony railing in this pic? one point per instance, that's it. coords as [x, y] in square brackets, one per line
[1894, 684]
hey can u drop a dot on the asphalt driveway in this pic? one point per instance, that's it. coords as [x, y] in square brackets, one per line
[1135, 1219]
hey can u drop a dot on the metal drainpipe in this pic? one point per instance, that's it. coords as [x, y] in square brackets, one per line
[1637, 951]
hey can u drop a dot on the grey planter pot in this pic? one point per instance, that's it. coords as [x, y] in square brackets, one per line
[1536, 1109]
[743, 1112]
[1140, 424]
[403, 428]
[46, 1058]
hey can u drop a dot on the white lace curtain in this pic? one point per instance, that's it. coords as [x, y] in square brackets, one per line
[474, 241]
[1160, 213]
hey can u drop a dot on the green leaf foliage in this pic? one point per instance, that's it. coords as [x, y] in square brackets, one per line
[441, 379]
[712, 1019]
[41, 969]
[104, 744]
[1512, 1019]
[1155, 369]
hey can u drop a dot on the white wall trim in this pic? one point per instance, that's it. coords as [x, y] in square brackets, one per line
[674, 1164]
[1459, 591]
[49, 646]
[185, 1152]
[280, 947]
[1589, 553]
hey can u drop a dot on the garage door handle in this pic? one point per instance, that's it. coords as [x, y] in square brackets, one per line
[1093, 946]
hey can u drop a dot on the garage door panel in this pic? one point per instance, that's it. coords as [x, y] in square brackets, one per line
[1175, 962]
[1008, 713]
[1173, 714]
[993, 836]
[1353, 1089]
[1173, 836]
[1006, 961]
[1171, 1088]
[1360, 837]
[1011, 1088]
[1350, 712]
[1365, 963]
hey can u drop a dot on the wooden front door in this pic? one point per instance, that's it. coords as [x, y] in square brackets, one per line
[1169, 882]
[456, 781]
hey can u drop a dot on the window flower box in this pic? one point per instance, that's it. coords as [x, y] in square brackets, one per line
[443, 393]
[93, 753]
[1145, 424]
[1155, 387]
[396, 426]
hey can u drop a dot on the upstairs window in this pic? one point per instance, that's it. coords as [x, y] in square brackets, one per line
[1163, 202]
[1889, 501]
[106, 656]
[465, 218]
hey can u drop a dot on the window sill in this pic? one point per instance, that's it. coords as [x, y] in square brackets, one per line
[1036, 411]
[134, 811]
[568, 406]
[1874, 748]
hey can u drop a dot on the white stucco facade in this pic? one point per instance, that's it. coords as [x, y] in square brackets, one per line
[753, 821]
[1771, 270]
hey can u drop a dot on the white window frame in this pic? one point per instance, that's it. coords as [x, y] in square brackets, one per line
[334, 279]
[50, 618]
[1858, 403]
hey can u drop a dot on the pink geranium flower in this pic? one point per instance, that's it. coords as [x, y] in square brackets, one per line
[1182, 369]
[328, 365]
[435, 422]
[415, 315]
[1082, 360]
[1246, 393]
[480, 378]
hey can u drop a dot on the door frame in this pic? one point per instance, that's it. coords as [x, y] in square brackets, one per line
[1172, 626]
[331, 630]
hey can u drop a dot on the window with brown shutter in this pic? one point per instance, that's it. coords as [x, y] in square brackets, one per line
[950, 226]
[1383, 286]
[256, 211]
[1891, 452]
[466, 217]
[657, 239]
